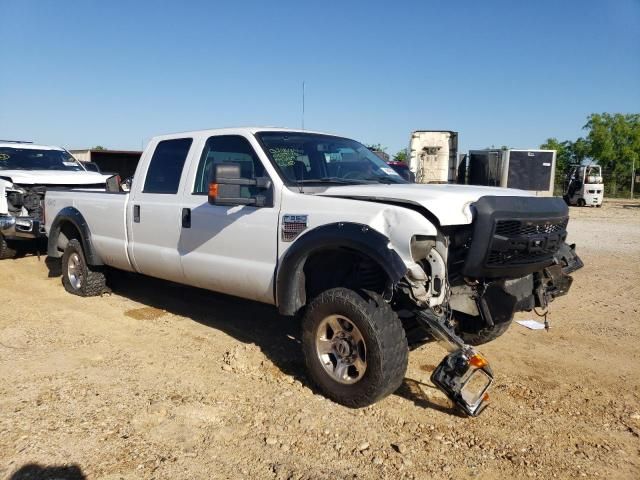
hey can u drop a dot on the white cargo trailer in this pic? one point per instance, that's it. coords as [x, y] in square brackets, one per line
[433, 156]
[532, 170]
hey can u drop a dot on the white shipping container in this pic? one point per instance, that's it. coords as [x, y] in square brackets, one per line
[433, 156]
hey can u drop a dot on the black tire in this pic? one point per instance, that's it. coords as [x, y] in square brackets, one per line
[383, 336]
[581, 202]
[91, 282]
[474, 331]
[6, 252]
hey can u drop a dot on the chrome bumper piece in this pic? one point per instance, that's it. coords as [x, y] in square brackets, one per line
[21, 227]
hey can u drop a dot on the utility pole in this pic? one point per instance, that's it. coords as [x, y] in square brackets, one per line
[303, 105]
[633, 177]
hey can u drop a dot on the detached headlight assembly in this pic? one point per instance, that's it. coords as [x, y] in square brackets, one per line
[465, 377]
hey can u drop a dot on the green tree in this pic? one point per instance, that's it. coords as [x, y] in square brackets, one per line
[401, 156]
[98, 147]
[579, 150]
[376, 147]
[615, 140]
[612, 141]
[615, 144]
[568, 152]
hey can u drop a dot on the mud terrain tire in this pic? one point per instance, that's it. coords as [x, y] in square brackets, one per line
[78, 277]
[379, 330]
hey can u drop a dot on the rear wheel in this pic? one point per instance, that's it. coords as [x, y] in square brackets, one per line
[6, 251]
[581, 202]
[354, 345]
[78, 277]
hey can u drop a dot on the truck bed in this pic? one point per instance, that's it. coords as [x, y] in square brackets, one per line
[104, 212]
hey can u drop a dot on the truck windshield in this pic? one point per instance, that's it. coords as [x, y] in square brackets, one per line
[34, 159]
[308, 158]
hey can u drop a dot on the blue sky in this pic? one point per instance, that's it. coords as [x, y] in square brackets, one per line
[115, 73]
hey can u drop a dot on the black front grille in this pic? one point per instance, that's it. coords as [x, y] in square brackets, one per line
[515, 236]
[525, 242]
[496, 259]
[511, 228]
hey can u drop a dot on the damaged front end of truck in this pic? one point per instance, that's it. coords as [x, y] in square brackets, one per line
[21, 216]
[472, 280]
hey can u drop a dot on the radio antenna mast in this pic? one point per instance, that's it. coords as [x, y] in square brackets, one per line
[303, 105]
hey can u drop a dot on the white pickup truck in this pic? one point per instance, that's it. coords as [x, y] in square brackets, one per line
[26, 171]
[320, 227]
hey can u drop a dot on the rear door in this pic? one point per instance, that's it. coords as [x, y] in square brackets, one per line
[154, 214]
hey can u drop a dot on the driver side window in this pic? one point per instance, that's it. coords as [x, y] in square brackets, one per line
[228, 149]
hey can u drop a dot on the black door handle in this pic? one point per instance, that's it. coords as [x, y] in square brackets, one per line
[186, 218]
[136, 213]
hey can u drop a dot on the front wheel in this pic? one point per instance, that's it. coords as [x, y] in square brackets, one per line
[354, 346]
[78, 277]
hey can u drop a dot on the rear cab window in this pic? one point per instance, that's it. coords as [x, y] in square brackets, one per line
[166, 165]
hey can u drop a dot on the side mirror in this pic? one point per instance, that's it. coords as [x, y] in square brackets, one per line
[113, 183]
[225, 187]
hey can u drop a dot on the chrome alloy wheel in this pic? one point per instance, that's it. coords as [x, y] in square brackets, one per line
[341, 350]
[74, 271]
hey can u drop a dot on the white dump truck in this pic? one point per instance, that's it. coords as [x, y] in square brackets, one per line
[323, 229]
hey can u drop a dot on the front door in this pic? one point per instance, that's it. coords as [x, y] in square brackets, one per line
[229, 249]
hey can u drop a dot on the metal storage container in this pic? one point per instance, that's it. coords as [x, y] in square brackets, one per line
[532, 170]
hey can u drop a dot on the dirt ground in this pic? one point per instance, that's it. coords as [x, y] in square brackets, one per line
[162, 381]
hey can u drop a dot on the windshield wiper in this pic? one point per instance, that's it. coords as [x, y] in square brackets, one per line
[336, 180]
[385, 180]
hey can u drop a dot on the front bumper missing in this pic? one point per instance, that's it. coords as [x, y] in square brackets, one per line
[464, 375]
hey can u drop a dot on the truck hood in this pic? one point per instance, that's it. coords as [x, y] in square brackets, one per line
[53, 177]
[449, 203]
